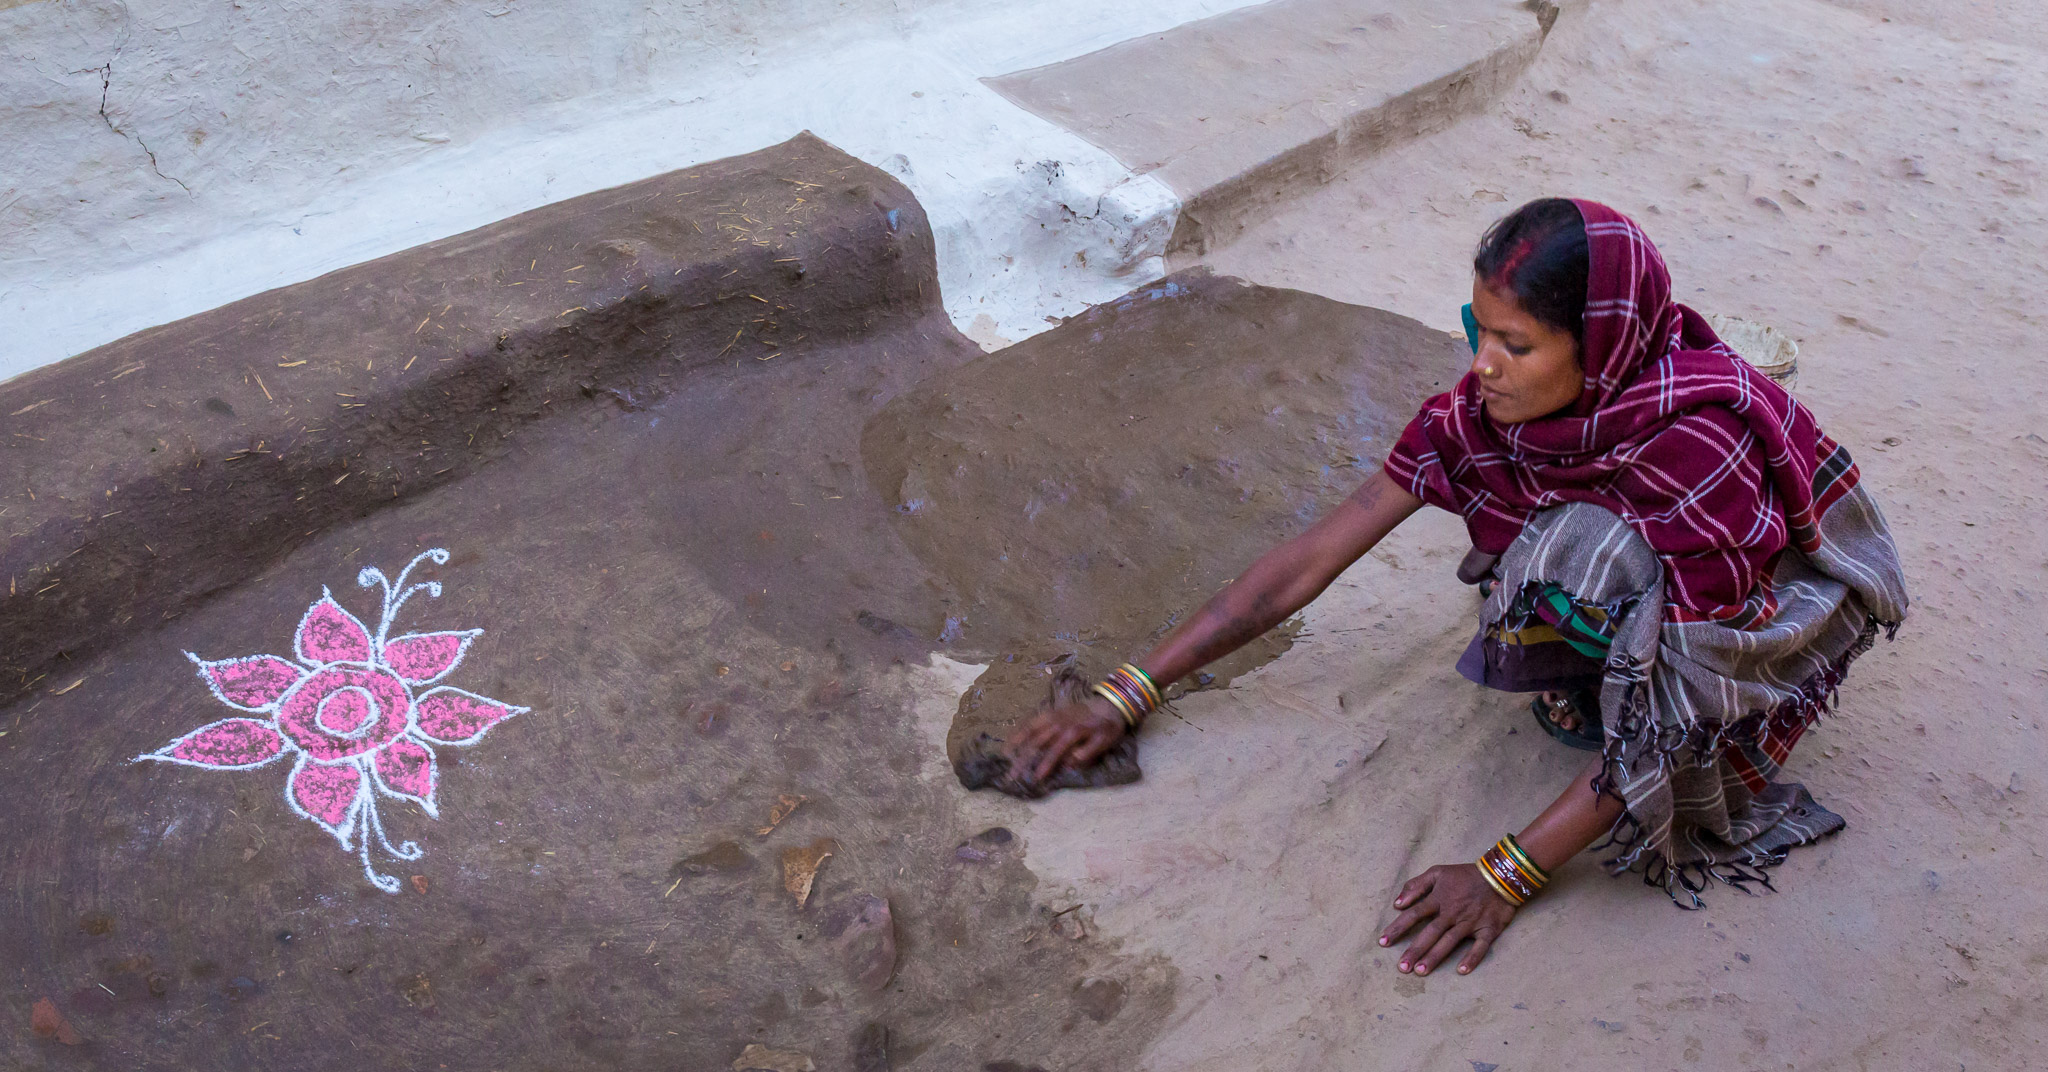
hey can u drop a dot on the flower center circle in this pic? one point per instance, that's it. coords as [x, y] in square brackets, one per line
[343, 710]
[347, 712]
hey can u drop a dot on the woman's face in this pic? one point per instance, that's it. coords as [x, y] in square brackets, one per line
[1526, 368]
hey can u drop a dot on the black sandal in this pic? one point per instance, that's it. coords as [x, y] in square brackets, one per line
[1590, 736]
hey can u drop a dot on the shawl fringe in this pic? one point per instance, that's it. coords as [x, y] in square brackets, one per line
[1635, 744]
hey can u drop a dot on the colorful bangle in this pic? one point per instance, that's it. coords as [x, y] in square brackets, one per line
[1508, 869]
[1117, 700]
[1129, 675]
[1131, 691]
[1486, 872]
[1520, 856]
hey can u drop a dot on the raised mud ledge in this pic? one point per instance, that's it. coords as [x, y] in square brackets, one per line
[141, 476]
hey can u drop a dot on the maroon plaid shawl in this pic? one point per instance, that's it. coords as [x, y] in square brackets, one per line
[1713, 463]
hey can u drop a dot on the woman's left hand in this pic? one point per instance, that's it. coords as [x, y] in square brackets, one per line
[1459, 904]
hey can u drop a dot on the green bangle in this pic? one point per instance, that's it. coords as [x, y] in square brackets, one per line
[1515, 850]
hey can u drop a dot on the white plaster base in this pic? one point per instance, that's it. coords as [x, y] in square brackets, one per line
[1032, 222]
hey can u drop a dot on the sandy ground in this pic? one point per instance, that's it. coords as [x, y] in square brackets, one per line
[1873, 188]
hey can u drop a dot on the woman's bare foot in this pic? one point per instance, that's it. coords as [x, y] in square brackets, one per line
[1573, 718]
[1557, 707]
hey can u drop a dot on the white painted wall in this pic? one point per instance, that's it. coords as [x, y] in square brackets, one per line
[163, 157]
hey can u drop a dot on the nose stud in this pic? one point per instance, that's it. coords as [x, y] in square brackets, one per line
[1489, 372]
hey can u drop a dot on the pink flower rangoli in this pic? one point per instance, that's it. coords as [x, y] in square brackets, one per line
[349, 713]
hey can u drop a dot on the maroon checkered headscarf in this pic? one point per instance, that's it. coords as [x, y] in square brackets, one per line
[1713, 463]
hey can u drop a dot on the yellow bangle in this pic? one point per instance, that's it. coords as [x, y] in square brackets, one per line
[1123, 706]
[1486, 873]
[1508, 874]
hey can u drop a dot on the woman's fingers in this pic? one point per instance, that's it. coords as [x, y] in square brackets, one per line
[1092, 745]
[1032, 729]
[1482, 940]
[1041, 754]
[1406, 920]
[1055, 753]
[1415, 888]
[1026, 739]
[1049, 728]
[1073, 734]
[1035, 736]
[1423, 943]
[1443, 948]
[1417, 908]
[1023, 747]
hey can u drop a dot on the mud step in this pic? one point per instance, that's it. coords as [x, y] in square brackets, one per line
[1242, 111]
[141, 476]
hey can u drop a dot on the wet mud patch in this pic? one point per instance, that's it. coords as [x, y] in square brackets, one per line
[1081, 491]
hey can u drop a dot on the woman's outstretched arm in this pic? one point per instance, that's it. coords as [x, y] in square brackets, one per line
[1283, 580]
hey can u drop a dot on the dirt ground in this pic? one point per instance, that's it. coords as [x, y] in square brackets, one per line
[1873, 188]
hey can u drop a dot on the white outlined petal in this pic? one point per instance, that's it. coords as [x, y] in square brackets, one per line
[405, 769]
[251, 682]
[330, 634]
[456, 716]
[424, 658]
[332, 795]
[230, 744]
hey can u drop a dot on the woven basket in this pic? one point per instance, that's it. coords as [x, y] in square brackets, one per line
[1772, 351]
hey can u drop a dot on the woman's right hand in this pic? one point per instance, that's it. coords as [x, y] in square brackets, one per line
[1071, 732]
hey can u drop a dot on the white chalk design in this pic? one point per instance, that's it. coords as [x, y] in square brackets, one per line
[347, 712]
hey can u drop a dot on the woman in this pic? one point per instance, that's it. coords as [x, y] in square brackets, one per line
[1674, 554]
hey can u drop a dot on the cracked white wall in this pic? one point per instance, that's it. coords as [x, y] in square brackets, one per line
[234, 97]
[164, 157]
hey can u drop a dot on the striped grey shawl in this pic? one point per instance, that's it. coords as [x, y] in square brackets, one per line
[1698, 716]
